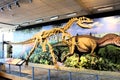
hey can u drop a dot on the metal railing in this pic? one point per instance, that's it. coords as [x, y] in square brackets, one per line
[67, 75]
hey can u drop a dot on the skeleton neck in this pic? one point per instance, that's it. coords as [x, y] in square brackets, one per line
[69, 23]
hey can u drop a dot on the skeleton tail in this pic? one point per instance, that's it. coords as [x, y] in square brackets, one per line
[112, 39]
[23, 42]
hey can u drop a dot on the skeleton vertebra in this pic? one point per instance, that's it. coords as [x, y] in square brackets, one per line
[41, 37]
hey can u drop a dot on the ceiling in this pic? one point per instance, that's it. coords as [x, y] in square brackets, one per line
[16, 13]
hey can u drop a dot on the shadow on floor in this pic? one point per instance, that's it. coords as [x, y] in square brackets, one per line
[2, 78]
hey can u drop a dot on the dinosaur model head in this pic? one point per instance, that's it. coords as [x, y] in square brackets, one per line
[84, 22]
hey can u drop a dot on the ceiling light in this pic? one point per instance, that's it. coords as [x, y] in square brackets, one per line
[71, 14]
[105, 8]
[9, 7]
[54, 17]
[39, 20]
[17, 4]
[1, 9]
[30, 1]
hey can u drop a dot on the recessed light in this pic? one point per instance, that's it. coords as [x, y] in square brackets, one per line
[71, 14]
[54, 17]
[105, 8]
[17, 4]
[39, 20]
[9, 7]
[1, 9]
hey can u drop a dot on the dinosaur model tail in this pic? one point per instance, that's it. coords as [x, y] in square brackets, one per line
[113, 39]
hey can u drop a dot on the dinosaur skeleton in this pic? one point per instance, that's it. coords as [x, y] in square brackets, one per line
[42, 37]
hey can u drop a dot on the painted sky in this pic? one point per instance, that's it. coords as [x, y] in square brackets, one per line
[101, 25]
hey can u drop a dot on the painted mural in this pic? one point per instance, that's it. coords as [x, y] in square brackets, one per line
[108, 56]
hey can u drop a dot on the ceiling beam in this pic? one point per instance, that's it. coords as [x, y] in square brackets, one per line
[8, 24]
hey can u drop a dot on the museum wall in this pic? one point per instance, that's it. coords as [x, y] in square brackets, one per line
[1, 45]
[100, 27]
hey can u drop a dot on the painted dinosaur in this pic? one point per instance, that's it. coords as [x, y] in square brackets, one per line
[88, 44]
[42, 37]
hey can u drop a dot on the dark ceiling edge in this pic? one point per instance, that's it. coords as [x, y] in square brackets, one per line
[96, 15]
[104, 14]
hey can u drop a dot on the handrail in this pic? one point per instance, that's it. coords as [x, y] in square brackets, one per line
[69, 73]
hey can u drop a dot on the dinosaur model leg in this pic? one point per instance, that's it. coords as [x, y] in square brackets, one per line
[93, 47]
[79, 55]
[69, 54]
[71, 49]
[31, 51]
[53, 56]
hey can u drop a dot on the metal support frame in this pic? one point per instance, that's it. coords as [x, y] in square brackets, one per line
[32, 73]
[70, 76]
[9, 71]
[49, 74]
[97, 77]
[20, 70]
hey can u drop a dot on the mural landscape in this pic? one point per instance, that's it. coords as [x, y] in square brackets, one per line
[108, 56]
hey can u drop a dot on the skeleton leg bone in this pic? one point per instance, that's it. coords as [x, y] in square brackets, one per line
[44, 45]
[53, 56]
[31, 51]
